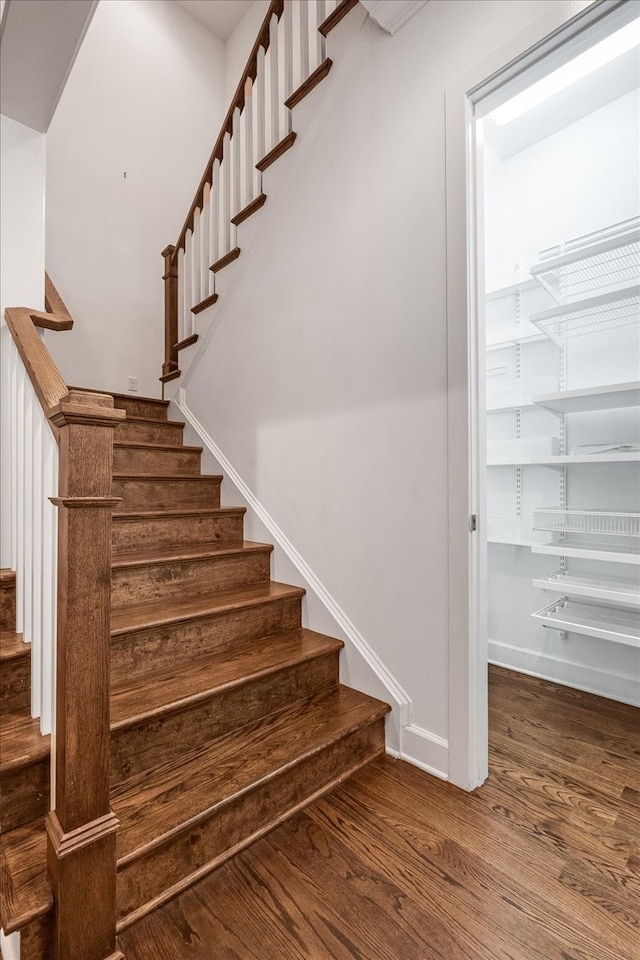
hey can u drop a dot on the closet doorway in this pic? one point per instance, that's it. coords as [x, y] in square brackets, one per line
[557, 363]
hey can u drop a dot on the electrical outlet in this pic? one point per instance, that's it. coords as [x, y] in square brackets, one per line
[133, 384]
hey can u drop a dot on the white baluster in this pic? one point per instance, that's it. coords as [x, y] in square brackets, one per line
[317, 44]
[224, 206]
[214, 238]
[13, 419]
[27, 508]
[259, 112]
[20, 415]
[285, 68]
[235, 191]
[182, 307]
[247, 168]
[188, 281]
[273, 107]
[205, 261]
[195, 268]
[301, 42]
[39, 423]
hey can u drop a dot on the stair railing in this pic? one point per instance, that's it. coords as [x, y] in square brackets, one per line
[287, 58]
[60, 447]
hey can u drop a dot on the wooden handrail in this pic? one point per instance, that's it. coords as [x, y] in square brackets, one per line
[56, 317]
[47, 381]
[249, 73]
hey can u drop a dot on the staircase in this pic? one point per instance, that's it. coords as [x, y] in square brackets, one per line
[226, 714]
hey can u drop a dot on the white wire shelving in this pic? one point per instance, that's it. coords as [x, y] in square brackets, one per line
[592, 620]
[566, 460]
[617, 591]
[591, 522]
[612, 396]
[598, 314]
[603, 261]
[608, 549]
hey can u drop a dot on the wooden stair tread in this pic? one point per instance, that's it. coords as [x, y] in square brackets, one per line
[168, 800]
[187, 552]
[21, 742]
[206, 676]
[154, 423]
[124, 396]
[163, 478]
[142, 445]
[186, 512]
[12, 645]
[157, 613]
[7, 576]
[25, 893]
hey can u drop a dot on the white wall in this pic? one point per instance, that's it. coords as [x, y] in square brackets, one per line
[145, 97]
[577, 181]
[238, 47]
[22, 216]
[22, 165]
[322, 376]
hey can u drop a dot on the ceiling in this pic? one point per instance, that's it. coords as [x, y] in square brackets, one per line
[40, 40]
[219, 16]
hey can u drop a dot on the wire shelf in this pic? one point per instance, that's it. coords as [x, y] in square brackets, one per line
[604, 548]
[607, 589]
[602, 261]
[600, 522]
[620, 308]
[592, 620]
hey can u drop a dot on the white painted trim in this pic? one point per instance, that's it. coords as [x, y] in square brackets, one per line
[392, 14]
[10, 945]
[604, 683]
[425, 750]
[399, 697]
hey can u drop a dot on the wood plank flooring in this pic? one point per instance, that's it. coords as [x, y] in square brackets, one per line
[541, 863]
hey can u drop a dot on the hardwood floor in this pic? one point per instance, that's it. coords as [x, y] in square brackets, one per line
[541, 863]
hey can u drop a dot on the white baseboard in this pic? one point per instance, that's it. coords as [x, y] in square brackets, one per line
[425, 750]
[558, 670]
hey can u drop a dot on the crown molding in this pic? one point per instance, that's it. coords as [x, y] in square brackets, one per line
[392, 14]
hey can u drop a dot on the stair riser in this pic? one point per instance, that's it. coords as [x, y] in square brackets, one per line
[136, 461]
[213, 839]
[168, 646]
[8, 606]
[36, 939]
[25, 794]
[167, 738]
[130, 431]
[161, 581]
[165, 494]
[15, 683]
[134, 534]
[141, 407]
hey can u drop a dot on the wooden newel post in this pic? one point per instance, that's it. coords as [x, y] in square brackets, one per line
[170, 277]
[81, 828]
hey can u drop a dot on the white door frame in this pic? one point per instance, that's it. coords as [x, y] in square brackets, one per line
[468, 711]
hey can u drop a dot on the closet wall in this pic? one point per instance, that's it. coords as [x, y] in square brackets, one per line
[581, 180]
